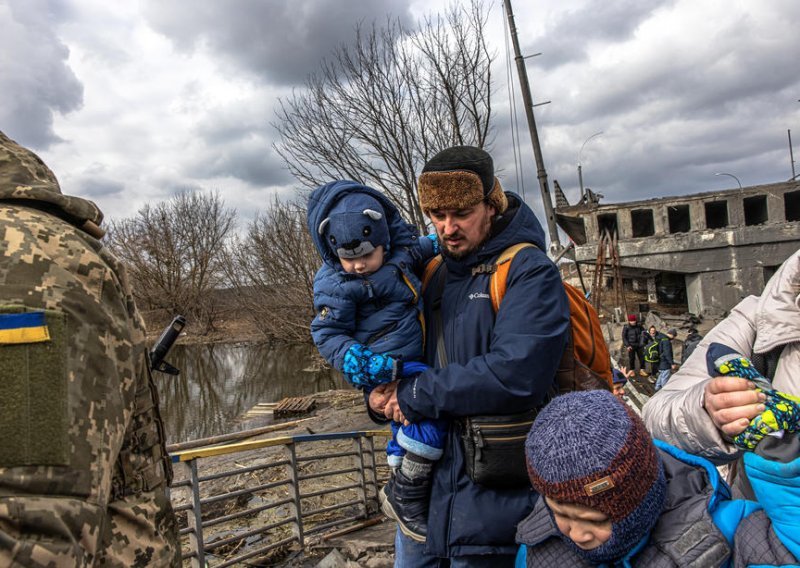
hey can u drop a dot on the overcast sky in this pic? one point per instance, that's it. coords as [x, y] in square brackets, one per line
[129, 102]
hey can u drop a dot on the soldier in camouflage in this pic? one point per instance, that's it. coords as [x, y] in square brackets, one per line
[83, 468]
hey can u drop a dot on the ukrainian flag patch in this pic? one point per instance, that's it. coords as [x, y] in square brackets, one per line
[27, 327]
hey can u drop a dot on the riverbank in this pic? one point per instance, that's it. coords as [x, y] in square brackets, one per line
[232, 329]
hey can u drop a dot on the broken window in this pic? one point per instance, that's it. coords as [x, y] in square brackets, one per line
[642, 223]
[607, 222]
[671, 288]
[769, 272]
[678, 216]
[716, 214]
[755, 210]
[791, 203]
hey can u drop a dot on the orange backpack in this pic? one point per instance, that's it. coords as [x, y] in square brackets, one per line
[585, 364]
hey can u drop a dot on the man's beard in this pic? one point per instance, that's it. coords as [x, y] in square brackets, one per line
[460, 255]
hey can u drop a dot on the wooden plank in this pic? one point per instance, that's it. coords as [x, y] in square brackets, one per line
[232, 436]
[293, 406]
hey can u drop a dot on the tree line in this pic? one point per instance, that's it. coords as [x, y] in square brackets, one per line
[375, 112]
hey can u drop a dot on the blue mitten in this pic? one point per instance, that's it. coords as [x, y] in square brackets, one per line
[435, 240]
[782, 410]
[363, 368]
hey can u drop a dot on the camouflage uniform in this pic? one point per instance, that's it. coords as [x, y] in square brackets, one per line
[83, 469]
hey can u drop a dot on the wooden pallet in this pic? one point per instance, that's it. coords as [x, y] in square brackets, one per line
[294, 406]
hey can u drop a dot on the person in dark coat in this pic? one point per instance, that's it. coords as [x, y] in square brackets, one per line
[613, 497]
[693, 339]
[632, 333]
[666, 363]
[368, 324]
[483, 363]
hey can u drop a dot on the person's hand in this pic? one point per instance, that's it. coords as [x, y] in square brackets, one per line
[732, 403]
[379, 397]
[629, 348]
[674, 368]
[628, 374]
[387, 398]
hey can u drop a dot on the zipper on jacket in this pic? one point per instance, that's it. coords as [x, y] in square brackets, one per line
[479, 443]
[370, 292]
[381, 333]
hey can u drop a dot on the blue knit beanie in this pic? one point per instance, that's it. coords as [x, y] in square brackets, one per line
[588, 448]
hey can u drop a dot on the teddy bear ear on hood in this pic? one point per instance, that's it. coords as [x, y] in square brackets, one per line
[372, 214]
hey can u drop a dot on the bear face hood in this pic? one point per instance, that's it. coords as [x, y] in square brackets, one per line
[324, 201]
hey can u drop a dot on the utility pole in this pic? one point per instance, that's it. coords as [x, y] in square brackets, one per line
[555, 244]
[791, 153]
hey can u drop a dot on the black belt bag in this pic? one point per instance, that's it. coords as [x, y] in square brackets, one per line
[494, 449]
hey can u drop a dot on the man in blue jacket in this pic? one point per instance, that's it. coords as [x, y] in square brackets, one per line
[483, 364]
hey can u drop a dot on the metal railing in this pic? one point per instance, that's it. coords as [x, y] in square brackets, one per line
[257, 496]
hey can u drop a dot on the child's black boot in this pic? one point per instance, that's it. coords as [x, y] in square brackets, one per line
[406, 501]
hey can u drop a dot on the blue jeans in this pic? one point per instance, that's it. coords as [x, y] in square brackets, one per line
[663, 377]
[411, 554]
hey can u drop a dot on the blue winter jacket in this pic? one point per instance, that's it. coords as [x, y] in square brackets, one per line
[700, 525]
[665, 360]
[381, 310]
[497, 365]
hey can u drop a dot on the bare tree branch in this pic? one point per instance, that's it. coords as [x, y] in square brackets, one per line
[173, 251]
[378, 110]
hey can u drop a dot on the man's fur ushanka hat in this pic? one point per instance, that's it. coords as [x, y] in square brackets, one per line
[458, 178]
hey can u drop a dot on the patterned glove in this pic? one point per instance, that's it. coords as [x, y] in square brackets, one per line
[782, 411]
[435, 240]
[362, 368]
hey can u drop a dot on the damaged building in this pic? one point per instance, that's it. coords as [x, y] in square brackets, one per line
[702, 253]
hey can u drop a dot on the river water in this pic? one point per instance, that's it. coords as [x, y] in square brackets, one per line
[219, 383]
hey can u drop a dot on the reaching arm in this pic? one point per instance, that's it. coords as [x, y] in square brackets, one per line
[698, 413]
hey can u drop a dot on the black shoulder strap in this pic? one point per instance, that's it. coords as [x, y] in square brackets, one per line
[767, 363]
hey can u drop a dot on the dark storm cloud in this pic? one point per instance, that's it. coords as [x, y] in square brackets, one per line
[250, 159]
[235, 140]
[35, 79]
[93, 187]
[715, 98]
[571, 37]
[280, 42]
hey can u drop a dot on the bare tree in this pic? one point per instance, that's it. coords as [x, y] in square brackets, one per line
[173, 251]
[272, 271]
[378, 110]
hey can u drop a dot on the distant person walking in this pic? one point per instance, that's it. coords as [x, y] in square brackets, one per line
[666, 363]
[691, 342]
[632, 334]
[650, 348]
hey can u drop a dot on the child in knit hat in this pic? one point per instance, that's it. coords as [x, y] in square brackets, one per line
[367, 298]
[611, 496]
